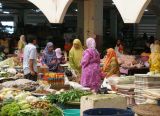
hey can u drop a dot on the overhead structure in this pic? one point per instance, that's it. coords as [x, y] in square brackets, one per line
[54, 10]
[131, 10]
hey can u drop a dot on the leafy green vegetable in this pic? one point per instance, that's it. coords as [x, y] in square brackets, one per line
[68, 96]
[52, 98]
[54, 111]
[8, 101]
[4, 74]
[30, 112]
[10, 109]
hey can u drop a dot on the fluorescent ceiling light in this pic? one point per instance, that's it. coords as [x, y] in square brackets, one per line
[0, 5]
[146, 10]
[76, 10]
[6, 12]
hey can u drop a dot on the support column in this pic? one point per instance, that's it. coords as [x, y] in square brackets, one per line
[80, 20]
[15, 22]
[93, 20]
[20, 24]
[158, 27]
[113, 23]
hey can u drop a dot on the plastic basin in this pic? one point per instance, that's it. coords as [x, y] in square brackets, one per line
[107, 112]
[71, 112]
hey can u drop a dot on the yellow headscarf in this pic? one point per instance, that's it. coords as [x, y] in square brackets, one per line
[75, 56]
[21, 42]
[154, 59]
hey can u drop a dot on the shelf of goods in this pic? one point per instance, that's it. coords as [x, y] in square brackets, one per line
[54, 78]
[143, 82]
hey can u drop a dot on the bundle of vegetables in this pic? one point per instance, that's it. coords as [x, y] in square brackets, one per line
[46, 108]
[10, 109]
[30, 112]
[68, 96]
[24, 108]
[4, 74]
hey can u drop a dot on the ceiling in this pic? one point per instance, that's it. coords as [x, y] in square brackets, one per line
[14, 6]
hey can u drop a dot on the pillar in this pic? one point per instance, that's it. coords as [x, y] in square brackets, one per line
[20, 24]
[93, 20]
[80, 20]
[15, 22]
[158, 27]
[113, 23]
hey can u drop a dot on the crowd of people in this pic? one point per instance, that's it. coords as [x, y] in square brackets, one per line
[85, 62]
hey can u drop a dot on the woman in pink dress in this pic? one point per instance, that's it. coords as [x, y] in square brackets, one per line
[91, 72]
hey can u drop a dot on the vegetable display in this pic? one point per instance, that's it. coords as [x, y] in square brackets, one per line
[20, 103]
[10, 109]
[68, 96]
[4, 74]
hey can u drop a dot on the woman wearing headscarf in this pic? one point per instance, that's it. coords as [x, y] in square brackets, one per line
[91, 72]
[21, 45]
[60, 56]
[75, 55]
[111, 66]
[49, 57]
[154, 60]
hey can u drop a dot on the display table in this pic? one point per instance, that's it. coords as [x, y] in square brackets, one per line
[147, 110]
[132, 71]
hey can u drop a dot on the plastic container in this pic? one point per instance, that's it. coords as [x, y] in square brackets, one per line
[71, 112]
[107, 112]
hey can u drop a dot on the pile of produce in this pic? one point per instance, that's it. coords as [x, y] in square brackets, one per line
[21, 84]
[19, 103]
[23, 108]
[130, 61]
[4, 74]
[6, 93]
[68, 96]
[11, 62]
[10, 73]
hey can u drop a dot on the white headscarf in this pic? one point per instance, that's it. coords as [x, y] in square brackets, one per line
[58, 52]
[91, 43]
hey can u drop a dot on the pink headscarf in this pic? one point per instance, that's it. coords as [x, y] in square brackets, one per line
[90, 42]
[58, 52]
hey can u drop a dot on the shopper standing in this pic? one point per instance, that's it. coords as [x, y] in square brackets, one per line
[21, 45]
[30, 57]
[75, 55]
[91, 72]
[49, 57]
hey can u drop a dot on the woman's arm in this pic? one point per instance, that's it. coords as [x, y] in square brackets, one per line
[85, 59]
[44, 59]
